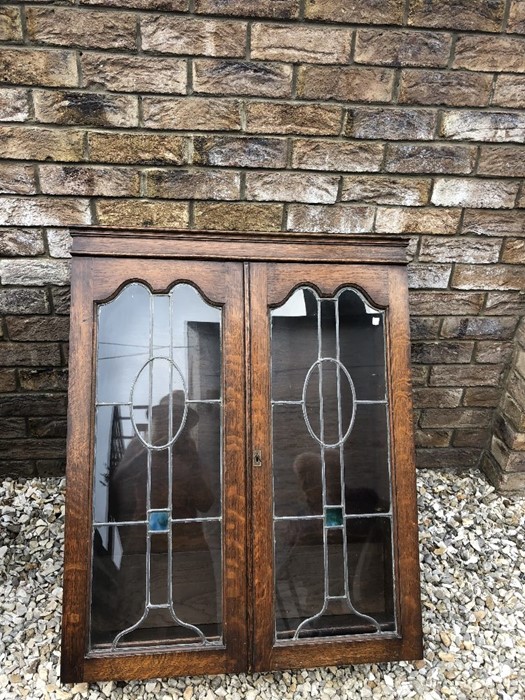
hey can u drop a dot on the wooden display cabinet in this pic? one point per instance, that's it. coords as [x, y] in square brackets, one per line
[240, 480]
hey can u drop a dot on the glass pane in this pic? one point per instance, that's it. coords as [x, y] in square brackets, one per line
[330, 463]
[158, 471]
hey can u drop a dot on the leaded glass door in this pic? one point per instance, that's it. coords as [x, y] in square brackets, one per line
[327, 523]
[164, 560]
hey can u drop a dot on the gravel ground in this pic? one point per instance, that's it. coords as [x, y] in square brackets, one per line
[473, 576]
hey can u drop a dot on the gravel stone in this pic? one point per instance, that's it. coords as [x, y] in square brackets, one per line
[472, 544]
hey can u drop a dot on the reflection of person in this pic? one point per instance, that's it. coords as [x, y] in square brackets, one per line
[128, 483]
[193, 580]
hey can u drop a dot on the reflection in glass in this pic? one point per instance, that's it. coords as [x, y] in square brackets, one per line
[333, 546]
[157, 494]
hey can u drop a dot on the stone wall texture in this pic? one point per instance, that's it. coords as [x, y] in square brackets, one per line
[378, 116]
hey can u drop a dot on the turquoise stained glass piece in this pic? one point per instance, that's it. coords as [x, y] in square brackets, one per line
[333, 517]
[159, 520]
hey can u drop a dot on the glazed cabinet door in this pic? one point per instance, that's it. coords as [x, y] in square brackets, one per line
[335, 569]
[156, 529]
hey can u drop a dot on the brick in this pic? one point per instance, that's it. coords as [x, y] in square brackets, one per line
[471, 438]
[493, 223]
[417, 220]
[278, 9]
[37, 328]
[43, 211]
[491, 277]
[451, 88]
[479, 327]
[37, 67]
[482, 396]
[191, 114]
[435, 397]
[432, 276]
[86, 181]
[441, 352]
[12, 428]
[167, 5]
[300, 43]
[91, 30]
[58, 242]
[52, 467]
[432, 438]
[142, 149]
[230, 151]
[10, 24]
[483, 126]
[516, 22]
[483, 15]
[30, 448]
[292, 187]
[7, 380]
[309, 154]
[459, 250]
[445, 303]
[465, 375]
[505, 431]
[507, 459]
[507, 161]
[513, 412]
[490, 53]
[193, 184]
[386, 190]
[137, 212]
[430, 158]
[17, 468]
[238, 216]
[379, 123]
[419, 375]
[346, 83]
[133, 73]
[364, 12]
[14, 105]
[449, 458]
[86, 108]
[19, 242]
[509, 91]
[242, 78]
[47, 427]
[514, 251]
[516, 388]
[466, 192]
[505, 303]
[265, 118]
[391, 47]
[41, 144]
[455, 418]
[493, 352]
[330, 219]
[17, 179]
[193, 36]
[33, 404]
[23, 301]
[424, 328]
[43, 379]
[61, 297]
[34, 272]
[19, 354]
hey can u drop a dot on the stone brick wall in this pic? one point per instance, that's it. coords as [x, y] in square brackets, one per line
[377, 116]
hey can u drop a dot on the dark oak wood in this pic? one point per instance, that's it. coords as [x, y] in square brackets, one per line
[245, 274]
